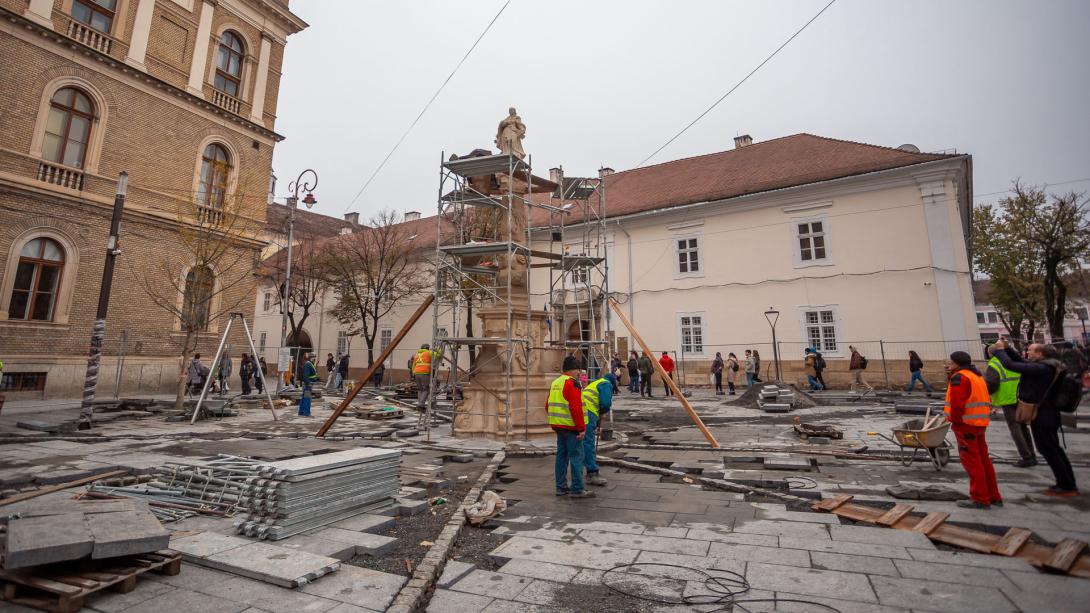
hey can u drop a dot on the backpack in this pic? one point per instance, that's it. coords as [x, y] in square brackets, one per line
[819, 362]
[734, 366]
[863, 361]
[1068, 393]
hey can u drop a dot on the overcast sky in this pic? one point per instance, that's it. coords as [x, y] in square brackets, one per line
[608, 82]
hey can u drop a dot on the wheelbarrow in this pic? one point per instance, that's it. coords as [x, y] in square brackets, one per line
[916, 435]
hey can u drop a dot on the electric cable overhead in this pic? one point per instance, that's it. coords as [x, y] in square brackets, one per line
[738, 84]
[426, 106]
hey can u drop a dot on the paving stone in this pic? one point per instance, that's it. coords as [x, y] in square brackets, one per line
[842, 606]
[48, 539]
[846, 547]
[677, 559]
[510, 606]
[357, 586]
[751, 553]
[1075, 588]
[647, 543]
[880, 536]
[446, 601]
[497, 585]
[267, 597]
[783, 528]
[272, 564]
[181, 600]
[603, 526]
[113, 602]
[366, 522]
[126, 533]
[539, 570]
[853, 564]
[587, 556]
[344, 607]
[827, 583]
[365, 543]
[813, 518]
[408, 508]
[190, 577]
[318, 546]
[454, 570]
[988, 577]
[709, 534]
[941, 597]
[669, 532]
[206, 544]
[963, 558]
[539, 592]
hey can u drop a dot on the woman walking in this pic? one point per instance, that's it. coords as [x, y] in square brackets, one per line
[633, 373]
[732, 371]
[915, 366]
[717, 372]
[757, 367]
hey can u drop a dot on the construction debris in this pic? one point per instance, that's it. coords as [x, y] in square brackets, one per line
[487, 506]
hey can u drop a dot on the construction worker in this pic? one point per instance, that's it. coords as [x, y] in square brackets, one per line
[968, 406]
[1003, 386]
[422, 360]
[567, 418]
[310, 377]
[597, 400]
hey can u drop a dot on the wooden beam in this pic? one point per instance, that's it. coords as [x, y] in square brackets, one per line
[830, 504]
[1011, 542]
[374, 365]
[666, 379]
[930, 522]
[894, 515]
[49, 489]
[1064, 555]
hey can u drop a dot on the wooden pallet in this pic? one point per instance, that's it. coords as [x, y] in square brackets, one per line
[62, 588]
[373, 414]
[1066, 557]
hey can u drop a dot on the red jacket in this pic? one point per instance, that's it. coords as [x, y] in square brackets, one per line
[667, 364]
[960, 389]
[575, 403]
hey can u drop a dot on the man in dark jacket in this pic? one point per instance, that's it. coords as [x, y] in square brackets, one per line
[646, 368]
[1039, 372]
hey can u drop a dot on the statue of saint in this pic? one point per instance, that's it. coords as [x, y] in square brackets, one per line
[510, 133]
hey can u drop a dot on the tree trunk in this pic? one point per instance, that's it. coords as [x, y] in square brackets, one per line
[179, 398]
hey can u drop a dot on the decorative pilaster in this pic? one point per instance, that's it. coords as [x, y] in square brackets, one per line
[40, 12]
[141, 32]
[257, 108]
[200, 50]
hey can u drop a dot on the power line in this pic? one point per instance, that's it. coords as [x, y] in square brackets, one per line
[737, 85]
[1007, 191]
[426, 106]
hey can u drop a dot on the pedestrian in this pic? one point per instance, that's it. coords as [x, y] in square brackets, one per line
[810, 366]
[597, 400]
[342, 373]
[1040, 372]
[968, 406]
[732, 372]
[310, 377]
[717, 372]
[633, 373]
[857, 364]
[819, 367]
[1003, 387]
[646, 368]
[757, 367]
[421, 370]
[331, 370]
[615, 370]
[915, 367]
[245, 373]
[376, 377]
[194, 374]
[667, 364]
[566, 417]
[259, 373]
[224, 372]
[751, 369]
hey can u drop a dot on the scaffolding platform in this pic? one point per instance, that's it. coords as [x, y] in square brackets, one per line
[479, 249]
[576, 261]
[479, 340]
[502, 163]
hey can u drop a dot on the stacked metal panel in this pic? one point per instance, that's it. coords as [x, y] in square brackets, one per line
[291, 496]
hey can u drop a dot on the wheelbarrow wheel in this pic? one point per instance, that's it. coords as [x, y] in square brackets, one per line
[940, 456]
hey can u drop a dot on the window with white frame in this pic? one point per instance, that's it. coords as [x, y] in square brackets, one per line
[688, 255]
[820, 328]
[342, 341]
[691, 327]
[993, 317]
[811, 235]
[266, 304]
[1081, 313]
[262, 340]
[385, 337]
[980, 317]
[579, 276]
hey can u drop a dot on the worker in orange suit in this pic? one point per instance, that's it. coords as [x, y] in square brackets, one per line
[968, 407]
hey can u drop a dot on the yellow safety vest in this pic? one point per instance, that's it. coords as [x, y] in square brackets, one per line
[422, 362]
[978, 406]
[559, 411]
[1007, 394]
[590, 397]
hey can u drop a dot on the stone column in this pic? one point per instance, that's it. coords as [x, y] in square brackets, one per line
[141, 31]
[257, 108]
[40, 12]
[200, 49]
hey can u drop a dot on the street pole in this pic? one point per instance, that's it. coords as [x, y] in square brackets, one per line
[98, 331]
[293, 201]
[773, 316]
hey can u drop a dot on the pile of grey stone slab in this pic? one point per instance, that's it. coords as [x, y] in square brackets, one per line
[45, 532]
[292, 496]
[776, 399]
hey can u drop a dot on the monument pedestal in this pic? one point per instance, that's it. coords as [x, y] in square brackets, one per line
[487, 411]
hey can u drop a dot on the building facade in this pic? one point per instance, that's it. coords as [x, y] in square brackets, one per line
[991, 325]
[181, 95]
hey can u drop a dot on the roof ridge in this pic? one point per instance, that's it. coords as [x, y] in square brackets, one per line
[704, 155]
[884, 147]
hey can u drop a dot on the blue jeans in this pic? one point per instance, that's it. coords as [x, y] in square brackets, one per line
[589, 458]
[338, 382]
[569, 451]
[749, 379]
[814, 385]
[917, 375]
[633, 382]
[304, 402]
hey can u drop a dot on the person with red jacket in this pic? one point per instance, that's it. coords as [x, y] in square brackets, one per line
[968, 407]
[564, 409]
[668, 365]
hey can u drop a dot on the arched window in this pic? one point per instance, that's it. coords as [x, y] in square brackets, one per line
[37, 278]
[99, 14]
[229, 64]
[197, 300]
[68, 128]
[215, 170]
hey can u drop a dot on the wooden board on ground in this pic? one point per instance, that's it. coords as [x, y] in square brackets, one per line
[62, 588]
[380, 413]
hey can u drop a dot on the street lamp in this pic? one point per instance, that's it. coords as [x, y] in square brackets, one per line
[293, 201]
[772, 315]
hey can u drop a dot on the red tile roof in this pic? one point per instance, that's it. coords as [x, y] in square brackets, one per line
[307, 224]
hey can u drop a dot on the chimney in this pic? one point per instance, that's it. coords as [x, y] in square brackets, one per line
[605, 172]
[744, 140]
[555, 174]
[352, 218]
[412, 215]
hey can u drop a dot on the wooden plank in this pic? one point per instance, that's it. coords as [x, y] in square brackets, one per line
[83, 582]
[49, 489]
[973, 540]
[857, 512]
[44, 584]
[374, 366]
[1012, 541]
[829, 504]
[930, 522]
[894, 515]
[1064, 555]
[666, 379]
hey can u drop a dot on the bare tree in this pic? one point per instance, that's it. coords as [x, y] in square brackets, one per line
[199, 285]
[372, 271]
[308, 282]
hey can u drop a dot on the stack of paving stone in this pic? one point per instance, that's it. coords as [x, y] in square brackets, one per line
[291, 496]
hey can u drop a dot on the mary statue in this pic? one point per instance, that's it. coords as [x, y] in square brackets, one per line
[510, 133]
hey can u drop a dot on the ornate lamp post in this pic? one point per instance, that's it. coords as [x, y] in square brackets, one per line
[293, 201]
[772, 315]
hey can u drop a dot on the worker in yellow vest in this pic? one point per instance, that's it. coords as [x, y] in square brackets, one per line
[597, 400]
[968, 407]
[421, 367]
[1003, 387]
[566, 414]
